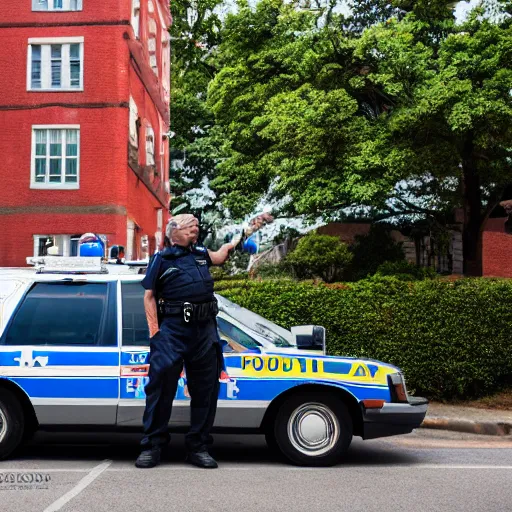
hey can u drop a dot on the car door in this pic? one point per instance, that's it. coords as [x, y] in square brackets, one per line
[135, 363]
[60, 347]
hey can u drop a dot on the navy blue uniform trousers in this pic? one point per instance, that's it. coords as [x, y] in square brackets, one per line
[197, 347]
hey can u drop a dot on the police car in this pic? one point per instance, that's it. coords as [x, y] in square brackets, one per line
[74, 355]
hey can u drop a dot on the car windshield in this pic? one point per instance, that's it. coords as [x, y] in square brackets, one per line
[268, 330]
[234, 335]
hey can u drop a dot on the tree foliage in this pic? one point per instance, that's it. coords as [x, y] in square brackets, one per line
[195, 32]
[324, 119]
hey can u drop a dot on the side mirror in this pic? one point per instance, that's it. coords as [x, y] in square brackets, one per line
[309, 337]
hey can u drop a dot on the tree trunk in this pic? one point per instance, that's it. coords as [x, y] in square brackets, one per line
[472, 205]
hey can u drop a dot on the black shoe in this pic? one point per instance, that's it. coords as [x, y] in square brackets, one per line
[148, 458]
[202, 460]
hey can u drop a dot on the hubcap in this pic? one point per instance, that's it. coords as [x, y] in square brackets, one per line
[313, 429]
[3, 425]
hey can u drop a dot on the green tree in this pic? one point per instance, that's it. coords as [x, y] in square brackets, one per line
[366, 13]
[372, 250]
[450, 121]
[411, 118]
[195, 32]
[320, 256]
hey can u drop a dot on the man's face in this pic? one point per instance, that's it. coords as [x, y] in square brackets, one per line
[187, 234]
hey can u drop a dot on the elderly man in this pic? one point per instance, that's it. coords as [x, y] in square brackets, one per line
[181, 309]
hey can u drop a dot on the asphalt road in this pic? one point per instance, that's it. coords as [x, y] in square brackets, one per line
[424, 471]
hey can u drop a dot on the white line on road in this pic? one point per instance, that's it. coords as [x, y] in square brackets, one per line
[79, 487]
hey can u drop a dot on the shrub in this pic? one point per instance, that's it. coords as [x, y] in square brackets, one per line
[273, 270]
[451, 339]
[372, 250]
[220, 274]
[406, 271]
[319, 256]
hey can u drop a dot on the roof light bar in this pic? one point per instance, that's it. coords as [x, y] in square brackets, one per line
[68, 265]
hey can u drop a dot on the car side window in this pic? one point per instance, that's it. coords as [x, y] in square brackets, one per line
[60, 313]
[135, 326]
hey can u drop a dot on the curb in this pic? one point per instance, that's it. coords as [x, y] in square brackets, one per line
[487, 428]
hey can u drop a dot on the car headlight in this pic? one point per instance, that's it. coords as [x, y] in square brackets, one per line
[397, 387]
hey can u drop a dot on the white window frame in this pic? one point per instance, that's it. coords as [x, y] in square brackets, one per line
[135, 21]
[54, 186]
[64, 247]
[132, 131]
[150, 151]
[65, 241]
[66, 6]
[46, 72]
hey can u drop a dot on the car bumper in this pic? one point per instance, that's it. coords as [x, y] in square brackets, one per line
[394, 418]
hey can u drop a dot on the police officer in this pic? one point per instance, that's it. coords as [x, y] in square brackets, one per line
[181, 309]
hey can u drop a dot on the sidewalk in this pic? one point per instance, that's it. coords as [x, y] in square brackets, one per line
[494, 422]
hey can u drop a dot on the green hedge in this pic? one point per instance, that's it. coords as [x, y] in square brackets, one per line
[451, 339]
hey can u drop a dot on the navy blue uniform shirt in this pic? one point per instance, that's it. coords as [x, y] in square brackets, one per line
[180, 274]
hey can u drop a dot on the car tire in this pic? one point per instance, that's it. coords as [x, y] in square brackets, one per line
[272, 445]
[313, 429]
[12, 423]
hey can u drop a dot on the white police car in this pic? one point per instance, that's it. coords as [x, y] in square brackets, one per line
[74, 352]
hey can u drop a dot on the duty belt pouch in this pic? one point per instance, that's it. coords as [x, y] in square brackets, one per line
[206, 311]
[190, 312]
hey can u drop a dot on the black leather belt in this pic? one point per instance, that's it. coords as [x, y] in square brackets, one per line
[191, 312]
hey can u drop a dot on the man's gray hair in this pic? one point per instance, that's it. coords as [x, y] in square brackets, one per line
[179, 222]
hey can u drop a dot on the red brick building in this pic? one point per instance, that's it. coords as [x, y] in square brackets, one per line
[84, 111]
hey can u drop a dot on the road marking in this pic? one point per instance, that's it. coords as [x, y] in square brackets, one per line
[79, 487]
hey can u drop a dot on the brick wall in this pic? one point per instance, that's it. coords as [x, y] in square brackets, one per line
[110, 193]
[105, 66]
[497, 249]
[92, 11]
[103, 134]
[17, 235]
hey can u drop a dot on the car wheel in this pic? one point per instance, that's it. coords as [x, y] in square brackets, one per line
[11, 423]
[273, 447]
[313, 429]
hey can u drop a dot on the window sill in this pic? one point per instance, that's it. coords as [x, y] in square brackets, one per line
[55, 186]
[56, 10]
[76, 89]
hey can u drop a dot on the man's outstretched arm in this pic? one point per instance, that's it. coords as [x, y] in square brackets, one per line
[220, 256]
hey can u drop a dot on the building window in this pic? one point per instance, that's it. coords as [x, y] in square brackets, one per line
[55, 157]
[150, 146]
[59, 245]
[56, 5]
[136, 17]
[55, 64]
[133, 129]
[152, 48]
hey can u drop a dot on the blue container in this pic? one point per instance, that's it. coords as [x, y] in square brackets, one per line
[91, 245]
[251, 245]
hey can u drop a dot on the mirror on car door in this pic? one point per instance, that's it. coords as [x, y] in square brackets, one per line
[309, 337]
